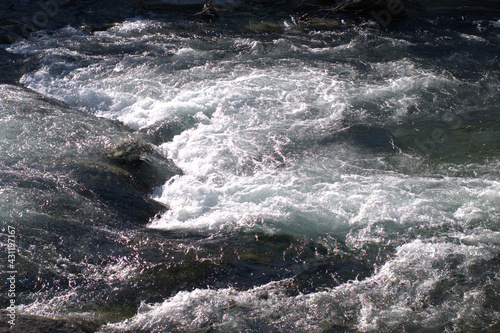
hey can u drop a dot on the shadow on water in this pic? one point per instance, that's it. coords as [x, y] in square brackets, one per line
[13, 66]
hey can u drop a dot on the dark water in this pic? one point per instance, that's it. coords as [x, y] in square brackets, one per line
[169, 174]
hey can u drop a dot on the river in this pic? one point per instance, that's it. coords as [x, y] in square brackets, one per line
[170, 174]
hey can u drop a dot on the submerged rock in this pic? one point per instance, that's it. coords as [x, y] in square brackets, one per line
[157, 265]
[247, 260]
[166, 130]
[263, 27]
[365, 136]
[323, 23]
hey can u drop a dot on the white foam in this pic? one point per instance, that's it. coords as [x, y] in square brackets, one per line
[310, 198]
[479, 235]
[254, 161]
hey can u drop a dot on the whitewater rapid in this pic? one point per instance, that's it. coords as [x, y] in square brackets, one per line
[359, 135]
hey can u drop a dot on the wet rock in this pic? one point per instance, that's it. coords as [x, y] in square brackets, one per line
[129, 153]
[37, 324]
[115, 187]
[209, 11]
[147, 166]
[118, 176]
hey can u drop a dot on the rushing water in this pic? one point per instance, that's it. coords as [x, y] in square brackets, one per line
[342, 180]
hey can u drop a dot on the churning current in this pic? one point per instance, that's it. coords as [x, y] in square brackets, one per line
[318, 180]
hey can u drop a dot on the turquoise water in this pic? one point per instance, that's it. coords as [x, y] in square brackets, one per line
[302, 180]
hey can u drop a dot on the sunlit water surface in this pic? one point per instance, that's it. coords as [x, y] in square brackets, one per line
[376, 151]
